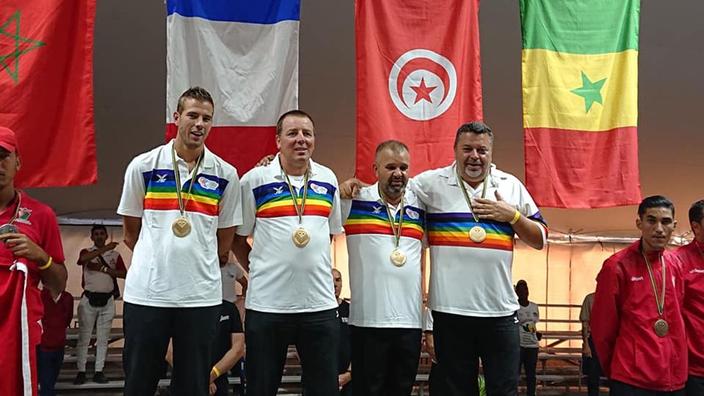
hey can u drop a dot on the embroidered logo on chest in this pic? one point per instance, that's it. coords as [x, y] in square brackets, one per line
[207, 183]
[412, 214]
[636, 278]
[318, 189]
[23, 215]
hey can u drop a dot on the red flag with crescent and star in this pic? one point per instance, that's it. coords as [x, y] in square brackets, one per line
[46, 89]
[418, 77]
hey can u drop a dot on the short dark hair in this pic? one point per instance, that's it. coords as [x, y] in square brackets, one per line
[393, 145]
[97, 227]
[696, 212]
[477, 127]
[197, 93]
[655, 201]
[293, 113]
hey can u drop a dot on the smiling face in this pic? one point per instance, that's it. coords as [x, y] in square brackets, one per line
[194, 123]
[99, 236]
[473, 156]
[296, 141]
[656, 226]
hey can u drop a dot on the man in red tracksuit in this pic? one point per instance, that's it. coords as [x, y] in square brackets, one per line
[30, 251]
[692, 257]
[636, 321]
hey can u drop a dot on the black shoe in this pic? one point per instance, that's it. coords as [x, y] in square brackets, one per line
[99, 378]
[80, 378]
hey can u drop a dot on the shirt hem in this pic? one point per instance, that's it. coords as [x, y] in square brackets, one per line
[173, 304]
[650, 387]
[386, 325]
[480, 314]
[260, 308]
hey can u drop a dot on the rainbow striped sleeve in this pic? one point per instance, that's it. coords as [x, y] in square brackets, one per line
[160, 187]
[452, 229]
[370, 217]
[274, 199]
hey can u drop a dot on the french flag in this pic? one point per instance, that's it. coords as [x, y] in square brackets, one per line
[245, 53]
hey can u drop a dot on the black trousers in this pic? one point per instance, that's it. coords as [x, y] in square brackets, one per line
[48, 367]
[384, 360]
[593, 371]
[147, 333]
[695, 386]
[529, 361]
[618, 388]
[268, 336]
[460, 341]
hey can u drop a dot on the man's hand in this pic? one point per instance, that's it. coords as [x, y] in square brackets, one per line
[350, 188]
[266, 160]
[343, 379]
[430, 346]
[110, 246]
[212, 389]
[498, 210]
[586, 350]
[21, 246]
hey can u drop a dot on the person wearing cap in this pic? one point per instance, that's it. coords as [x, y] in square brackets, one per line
[31, 252]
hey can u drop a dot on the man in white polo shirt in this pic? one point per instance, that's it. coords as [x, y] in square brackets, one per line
[384, 227]
[291, 298]
[180, 205]
[473, 212]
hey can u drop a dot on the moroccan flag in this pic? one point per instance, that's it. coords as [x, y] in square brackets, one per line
[580, 102]
[46, 89]
[418, 77]
[245, 53]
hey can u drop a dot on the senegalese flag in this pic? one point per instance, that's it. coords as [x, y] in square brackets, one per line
[580, 102]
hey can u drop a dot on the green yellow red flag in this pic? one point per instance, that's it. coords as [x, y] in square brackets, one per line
[580, 101]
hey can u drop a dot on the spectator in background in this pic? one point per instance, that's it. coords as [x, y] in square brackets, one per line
[58, 312]
[590, 362]
[233, 278]
[344, 361]
[528, 317]
[101, 266]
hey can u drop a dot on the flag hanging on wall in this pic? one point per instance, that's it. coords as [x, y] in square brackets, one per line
[418, 77]
[245, 53]
[580, 102]
[46, 89]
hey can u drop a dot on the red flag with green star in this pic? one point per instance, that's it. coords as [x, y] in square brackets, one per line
[580, 102]
[46, 89]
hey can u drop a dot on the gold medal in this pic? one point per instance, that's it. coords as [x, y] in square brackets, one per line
[661, 327]
[398, 258]
[181, 227]
[477, 234]
[301, 237]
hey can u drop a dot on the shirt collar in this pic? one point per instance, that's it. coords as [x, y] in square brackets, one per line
[450, 174]
[275, 167]
[208, 161]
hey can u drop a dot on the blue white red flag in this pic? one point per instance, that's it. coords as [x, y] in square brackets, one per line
[245, 53]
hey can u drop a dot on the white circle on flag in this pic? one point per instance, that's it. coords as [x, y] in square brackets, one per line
[422, 94]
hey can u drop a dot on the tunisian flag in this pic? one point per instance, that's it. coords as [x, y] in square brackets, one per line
[46, 89]
[418, 77]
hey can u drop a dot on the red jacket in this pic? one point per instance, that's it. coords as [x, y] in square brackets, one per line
[622, 322]
[693, 309]
[57, 316]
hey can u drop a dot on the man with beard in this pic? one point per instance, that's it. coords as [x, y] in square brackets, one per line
[473, 212]
[290, 208]
[636, 320]
[692, 257]
[384, 225]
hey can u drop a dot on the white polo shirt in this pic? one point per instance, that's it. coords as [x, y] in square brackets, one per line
[97, 281]
[284, 278]
[384, 295]
[168, 271]
[468, 278]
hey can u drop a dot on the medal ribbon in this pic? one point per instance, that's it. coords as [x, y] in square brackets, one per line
[392, 218]
[659, 301]
[181, 204]
[294, 196]
[466, 195]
